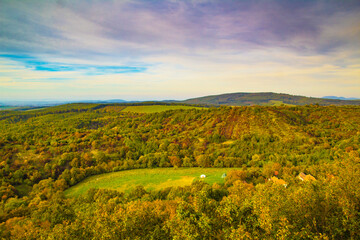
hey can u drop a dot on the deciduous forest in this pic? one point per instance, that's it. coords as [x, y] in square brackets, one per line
[44, 152]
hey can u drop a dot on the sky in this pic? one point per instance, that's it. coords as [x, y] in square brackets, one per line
[157, 50]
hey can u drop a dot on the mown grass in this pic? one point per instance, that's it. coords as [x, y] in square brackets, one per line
[156, 108]
[277, 103]
[151, 179]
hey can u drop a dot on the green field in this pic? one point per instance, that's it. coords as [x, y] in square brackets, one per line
[277, 103]
[151, 179]
[6, 108]
[156, 108]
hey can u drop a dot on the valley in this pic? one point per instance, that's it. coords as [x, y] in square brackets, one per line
[139, 167]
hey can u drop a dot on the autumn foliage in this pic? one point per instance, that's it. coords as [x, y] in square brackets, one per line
[44, 152]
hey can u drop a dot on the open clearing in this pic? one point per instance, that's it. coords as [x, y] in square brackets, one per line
[277, 103]
[151, 179]
[156, 108]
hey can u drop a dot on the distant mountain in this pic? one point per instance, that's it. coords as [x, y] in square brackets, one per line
[266, 99]
[43, 103]
[340, 98]
[231, 99]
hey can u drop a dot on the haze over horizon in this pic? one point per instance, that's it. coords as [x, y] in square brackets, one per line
[156, 50]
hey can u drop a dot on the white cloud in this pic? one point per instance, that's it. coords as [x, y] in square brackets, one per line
[189, 49]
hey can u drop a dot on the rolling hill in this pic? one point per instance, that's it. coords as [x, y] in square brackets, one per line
[86, 170]
[266, 99]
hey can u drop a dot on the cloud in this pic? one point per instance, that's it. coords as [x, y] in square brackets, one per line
[147, 27]
[157, 48]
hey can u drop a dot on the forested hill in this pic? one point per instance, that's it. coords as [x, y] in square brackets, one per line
[44, 152]
[266, 99]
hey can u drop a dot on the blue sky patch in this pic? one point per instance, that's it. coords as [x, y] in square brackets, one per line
[37, 64]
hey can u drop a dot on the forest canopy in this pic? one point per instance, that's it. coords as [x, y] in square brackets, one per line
[44, 152]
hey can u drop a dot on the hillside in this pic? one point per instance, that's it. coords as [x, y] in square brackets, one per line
[266, 99]
[45, 152]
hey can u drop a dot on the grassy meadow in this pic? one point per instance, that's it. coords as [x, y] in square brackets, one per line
[277, 103]
[151, 179]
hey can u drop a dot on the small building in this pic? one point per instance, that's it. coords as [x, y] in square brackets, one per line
[303, 177]
[278, 181]
[202, 176]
